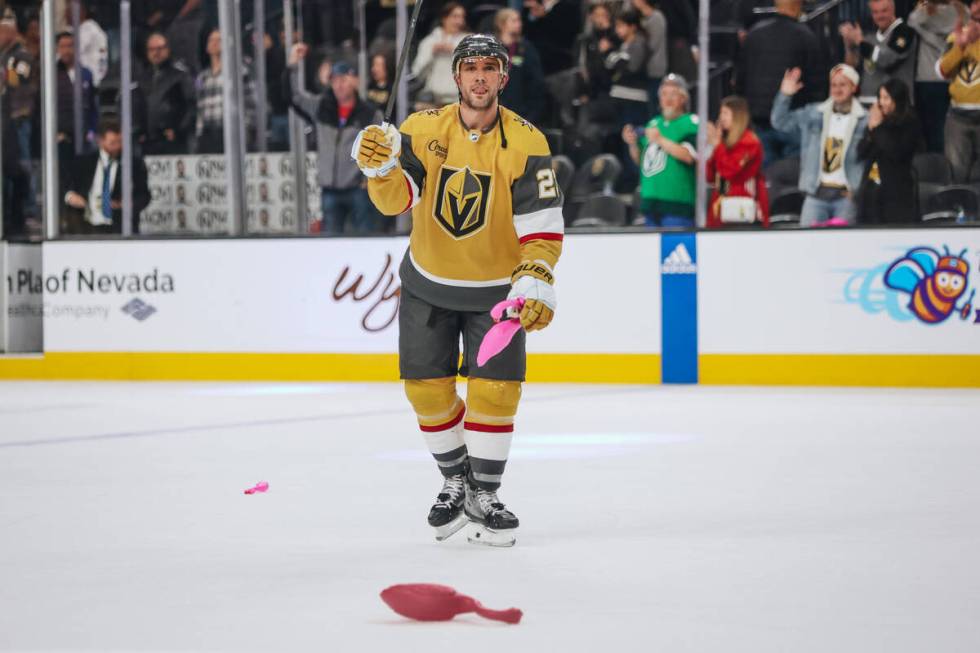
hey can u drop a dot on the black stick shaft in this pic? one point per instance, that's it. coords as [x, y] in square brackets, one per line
[402, 58]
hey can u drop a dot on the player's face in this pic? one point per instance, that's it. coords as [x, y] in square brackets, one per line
[479, 82]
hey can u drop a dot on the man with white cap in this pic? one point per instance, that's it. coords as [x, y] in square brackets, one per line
[830, 171]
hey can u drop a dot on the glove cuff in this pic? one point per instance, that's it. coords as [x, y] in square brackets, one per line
[383, 171]
[537, 269]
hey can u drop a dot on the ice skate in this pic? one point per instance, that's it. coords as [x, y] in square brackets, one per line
[447, 515]
[493, 524]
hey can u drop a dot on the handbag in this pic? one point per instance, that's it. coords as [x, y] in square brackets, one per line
[738, 210]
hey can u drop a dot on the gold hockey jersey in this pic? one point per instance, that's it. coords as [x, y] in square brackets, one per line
[481, 204]
[962, 68]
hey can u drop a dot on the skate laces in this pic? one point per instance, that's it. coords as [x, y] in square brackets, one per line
[489, 502]
[452, 489]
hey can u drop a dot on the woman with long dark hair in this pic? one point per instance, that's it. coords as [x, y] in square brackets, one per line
[893, 137]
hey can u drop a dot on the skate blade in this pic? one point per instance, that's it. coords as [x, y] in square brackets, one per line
[448, 530]
[480, 534]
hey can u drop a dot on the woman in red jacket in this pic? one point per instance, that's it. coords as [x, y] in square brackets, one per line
[735, 168]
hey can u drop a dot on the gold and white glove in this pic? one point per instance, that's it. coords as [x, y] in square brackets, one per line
[376, 149]
[534, 281]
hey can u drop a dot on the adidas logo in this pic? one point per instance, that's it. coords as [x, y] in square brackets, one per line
[679, 262]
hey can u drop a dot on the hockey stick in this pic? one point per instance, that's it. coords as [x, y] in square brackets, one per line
[402, 58]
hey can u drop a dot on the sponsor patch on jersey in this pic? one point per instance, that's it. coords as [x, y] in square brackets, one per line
[437, 148]
[462, 200]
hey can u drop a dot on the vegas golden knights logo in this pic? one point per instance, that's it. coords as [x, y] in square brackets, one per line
[968, 73]
[462, 200]
[833, 154]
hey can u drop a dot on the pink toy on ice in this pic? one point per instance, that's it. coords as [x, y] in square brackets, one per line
[428, 602]
[261, 486]
[501, 333]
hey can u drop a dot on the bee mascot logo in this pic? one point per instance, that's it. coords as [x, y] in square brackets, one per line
[462, 200]
[934, 283]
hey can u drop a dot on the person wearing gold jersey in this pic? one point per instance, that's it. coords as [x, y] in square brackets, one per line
[486, 225]
[961, 66]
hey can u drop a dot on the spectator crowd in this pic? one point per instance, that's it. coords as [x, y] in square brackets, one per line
[833, 126]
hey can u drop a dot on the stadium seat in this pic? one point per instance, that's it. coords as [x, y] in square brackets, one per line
[564, 172]
[932, 167]
[596, 176]
[784, 208]
[556, 140]
[925, 190]
[784, 173]
[601, 210]
[952, 204]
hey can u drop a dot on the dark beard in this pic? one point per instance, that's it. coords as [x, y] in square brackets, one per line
[470, 105]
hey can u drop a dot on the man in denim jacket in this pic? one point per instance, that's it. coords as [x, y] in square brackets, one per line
[830, 172]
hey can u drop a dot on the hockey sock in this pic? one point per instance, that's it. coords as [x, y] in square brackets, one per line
[440, 413]
[489, 427]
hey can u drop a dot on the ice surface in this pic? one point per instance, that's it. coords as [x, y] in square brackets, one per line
[653, 519]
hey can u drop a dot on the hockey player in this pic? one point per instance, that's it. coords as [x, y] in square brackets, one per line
[487, 225]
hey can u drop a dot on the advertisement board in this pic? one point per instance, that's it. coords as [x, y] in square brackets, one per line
[313, 295]
[909, 291]
[21, 298]
[840, 307]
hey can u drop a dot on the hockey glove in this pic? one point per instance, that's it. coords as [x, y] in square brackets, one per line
[533, 280]
[376, 150]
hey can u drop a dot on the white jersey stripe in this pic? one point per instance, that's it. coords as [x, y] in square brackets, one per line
[548, 220]
[416, 195]
[460, 283]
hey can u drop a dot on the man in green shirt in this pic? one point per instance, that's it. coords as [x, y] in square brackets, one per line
[666, 153]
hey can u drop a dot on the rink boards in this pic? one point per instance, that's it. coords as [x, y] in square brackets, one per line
[791, 307]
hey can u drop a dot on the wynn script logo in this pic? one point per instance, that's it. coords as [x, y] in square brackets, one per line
[380, 298]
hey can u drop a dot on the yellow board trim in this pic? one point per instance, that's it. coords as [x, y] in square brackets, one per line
[183, 366]
[883, 370]
[948, 371]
